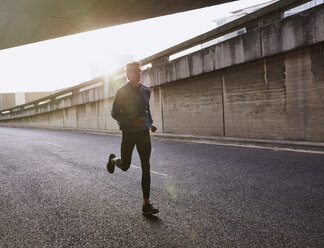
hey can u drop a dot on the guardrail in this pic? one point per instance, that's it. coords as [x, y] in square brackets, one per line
[101, 86]
[54, 101]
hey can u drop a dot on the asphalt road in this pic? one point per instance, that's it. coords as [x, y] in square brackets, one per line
[55, 192]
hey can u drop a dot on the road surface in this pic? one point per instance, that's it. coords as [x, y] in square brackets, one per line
[55, 192]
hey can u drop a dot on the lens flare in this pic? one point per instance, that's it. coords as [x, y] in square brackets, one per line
[171, 190]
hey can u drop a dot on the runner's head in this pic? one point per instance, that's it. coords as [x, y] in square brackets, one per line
[133, 71]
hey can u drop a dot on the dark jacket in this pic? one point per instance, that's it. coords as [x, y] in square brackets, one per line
[132, 102]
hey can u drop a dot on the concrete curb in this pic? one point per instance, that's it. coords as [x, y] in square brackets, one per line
[234, 141]
[231, 141]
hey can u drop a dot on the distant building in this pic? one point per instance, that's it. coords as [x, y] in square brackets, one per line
[10, 100]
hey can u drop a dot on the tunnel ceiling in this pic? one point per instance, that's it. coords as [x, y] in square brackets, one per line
[27, 21]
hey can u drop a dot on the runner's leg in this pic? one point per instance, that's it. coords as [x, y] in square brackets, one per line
[126, 148]
[143, 146]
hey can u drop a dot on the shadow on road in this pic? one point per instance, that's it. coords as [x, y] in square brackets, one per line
[152, 219]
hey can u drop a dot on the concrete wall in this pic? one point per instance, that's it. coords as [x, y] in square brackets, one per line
[277, 37]
[194, 106]
[70, 118]
[279, 98]
[106, 122]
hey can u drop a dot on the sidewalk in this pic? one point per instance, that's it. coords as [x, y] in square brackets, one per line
[264, 143]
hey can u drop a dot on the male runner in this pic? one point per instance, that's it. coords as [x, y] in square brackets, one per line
[131, 109]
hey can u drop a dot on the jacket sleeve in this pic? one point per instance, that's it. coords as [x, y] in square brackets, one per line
[117, 110]
[149, 109]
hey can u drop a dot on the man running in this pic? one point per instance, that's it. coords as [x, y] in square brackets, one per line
[131, 109]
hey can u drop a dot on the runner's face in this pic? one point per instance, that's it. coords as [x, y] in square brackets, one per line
[135, 75]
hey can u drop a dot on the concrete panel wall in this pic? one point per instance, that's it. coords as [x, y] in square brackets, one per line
[87, 115]
[156, 108]
[293, 32]
[305, 93]
[91, 95]
[194, 106]
[238, 50]
[20, 122]
[31, 121]
[106, 122]
[55, 119]
[42, 120]
[70, 117]
[255, 99]
[64, 102]
[277, 98]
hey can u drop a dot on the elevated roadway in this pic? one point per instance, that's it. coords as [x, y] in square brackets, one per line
[27, 21]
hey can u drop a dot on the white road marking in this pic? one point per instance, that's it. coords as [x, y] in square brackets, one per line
[277, 149]
[54, 144]
[154, 172]
[282, 149]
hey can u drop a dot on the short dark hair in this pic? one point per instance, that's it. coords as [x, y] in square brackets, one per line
[132, 65]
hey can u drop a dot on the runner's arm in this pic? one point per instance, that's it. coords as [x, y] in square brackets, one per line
[117, 110]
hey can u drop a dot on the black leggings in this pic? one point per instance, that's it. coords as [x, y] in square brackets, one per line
[143, 145]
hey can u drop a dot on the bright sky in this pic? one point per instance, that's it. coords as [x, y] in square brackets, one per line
[64, 62]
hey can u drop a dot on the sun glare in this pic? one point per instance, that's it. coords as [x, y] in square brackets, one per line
[63, 62]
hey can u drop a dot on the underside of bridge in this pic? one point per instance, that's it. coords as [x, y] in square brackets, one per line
[27, 21]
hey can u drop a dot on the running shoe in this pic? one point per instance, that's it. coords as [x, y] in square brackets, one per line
[110, 164]
[148, 209]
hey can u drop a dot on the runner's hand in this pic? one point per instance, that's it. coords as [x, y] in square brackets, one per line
[153, 128]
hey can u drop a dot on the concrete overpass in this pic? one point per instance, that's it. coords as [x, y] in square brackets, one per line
[27, 21]
[263, 86]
